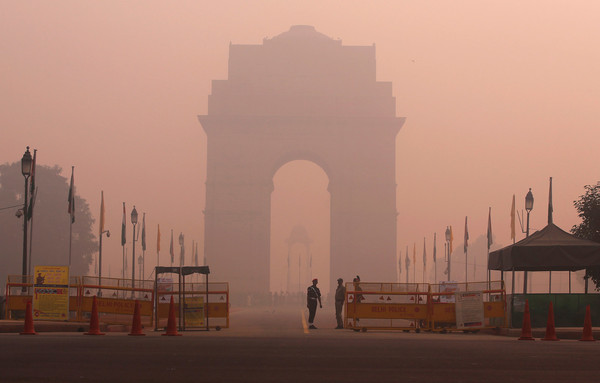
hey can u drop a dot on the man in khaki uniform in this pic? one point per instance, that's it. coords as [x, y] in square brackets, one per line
[340, 297]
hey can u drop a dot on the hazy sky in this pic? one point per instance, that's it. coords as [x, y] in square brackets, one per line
[498, 96]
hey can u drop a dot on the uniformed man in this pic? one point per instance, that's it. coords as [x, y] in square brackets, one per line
[313, 294]
[340, 297]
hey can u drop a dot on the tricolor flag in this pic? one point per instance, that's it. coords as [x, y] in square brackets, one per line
[72, 195]
[400, 262]
[489, 230]
[424, 253]
[32, 187]
[451, 240]
[466, 236]
[512, 220]
[144, 232]
[171, 248]
[434, 247]
[550, 208]
[123, 230]
[101, 225]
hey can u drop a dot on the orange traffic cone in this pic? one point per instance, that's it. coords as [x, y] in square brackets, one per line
[28, 328]
[94, 324]
[136, 325]
[526, 330]
[550, 329]
[171, 324]
[587, 327]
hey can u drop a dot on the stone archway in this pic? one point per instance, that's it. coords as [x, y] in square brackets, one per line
[300, 96]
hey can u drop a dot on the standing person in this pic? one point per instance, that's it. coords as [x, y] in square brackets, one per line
[313, 294]
[340, 297]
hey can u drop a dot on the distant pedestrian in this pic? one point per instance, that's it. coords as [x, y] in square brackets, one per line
[340, 297]
[313, 294]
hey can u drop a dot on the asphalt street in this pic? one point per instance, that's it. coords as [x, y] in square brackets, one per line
[267, 345]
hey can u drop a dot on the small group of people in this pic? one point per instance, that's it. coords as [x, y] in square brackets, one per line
[313, 296]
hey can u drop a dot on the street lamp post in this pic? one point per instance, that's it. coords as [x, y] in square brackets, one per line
[448, 247]
[528, 208]
[134, 221]
[26, 163]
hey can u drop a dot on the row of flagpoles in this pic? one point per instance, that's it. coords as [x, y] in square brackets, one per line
[448, 246]
[141, 258]
[448, 250]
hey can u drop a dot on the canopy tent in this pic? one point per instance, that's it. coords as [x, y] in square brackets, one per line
[550, 249]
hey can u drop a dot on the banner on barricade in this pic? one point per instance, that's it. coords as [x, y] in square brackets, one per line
[469, 310]
[51, 293]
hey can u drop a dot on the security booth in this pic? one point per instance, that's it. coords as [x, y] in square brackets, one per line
[199, 305]
[549, 249]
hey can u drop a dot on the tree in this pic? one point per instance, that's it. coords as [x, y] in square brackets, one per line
[50, 234]
[588, 209]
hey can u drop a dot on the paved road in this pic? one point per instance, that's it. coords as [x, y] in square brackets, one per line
[272, 346]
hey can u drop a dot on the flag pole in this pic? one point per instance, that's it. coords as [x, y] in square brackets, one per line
[407, 265]
[71, 213]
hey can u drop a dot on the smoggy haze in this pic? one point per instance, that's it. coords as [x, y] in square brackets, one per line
[498, 96]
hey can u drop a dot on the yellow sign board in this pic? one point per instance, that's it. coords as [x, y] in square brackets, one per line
[51, 293]
[194, 312]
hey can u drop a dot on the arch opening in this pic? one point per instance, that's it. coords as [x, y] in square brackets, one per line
[300, 228]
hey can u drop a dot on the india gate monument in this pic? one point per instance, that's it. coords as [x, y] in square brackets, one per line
[300, 95]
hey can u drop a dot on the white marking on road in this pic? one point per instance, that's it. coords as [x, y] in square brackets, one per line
[304, 324]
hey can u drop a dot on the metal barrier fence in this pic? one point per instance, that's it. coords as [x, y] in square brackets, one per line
[19, 290]
[196, 306]
[421, 306]
[202, 307]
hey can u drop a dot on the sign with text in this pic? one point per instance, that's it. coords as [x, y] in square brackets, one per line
[51, 293]
[469, 309]
[194, 312]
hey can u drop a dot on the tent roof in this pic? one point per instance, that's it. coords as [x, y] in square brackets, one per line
[550, 249]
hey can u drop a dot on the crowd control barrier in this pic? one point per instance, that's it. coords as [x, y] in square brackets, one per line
[387, 306]
[468, 306]
[204, 305]
[425, 307]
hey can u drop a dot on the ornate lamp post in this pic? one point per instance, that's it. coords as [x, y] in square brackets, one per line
[448, 247]
[26, 163]
[528, 208]
[134, 221]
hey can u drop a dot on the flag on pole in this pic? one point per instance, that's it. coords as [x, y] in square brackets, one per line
[101, 225]
[32, 187]
[123, 230]
[434, 247]
[424, 254]
[550, 208]
[407, 260]
[196, 255]
[451, 240]
[144, 232]
[72, 196]
[158, 239]
[171, 248]
[182, 251]
[400, 261]
[415, 253]
[512, 221]
[490, 241]
[466, 235]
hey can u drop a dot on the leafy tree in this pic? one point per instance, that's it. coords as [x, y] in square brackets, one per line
[588, 208]
[50, 234]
